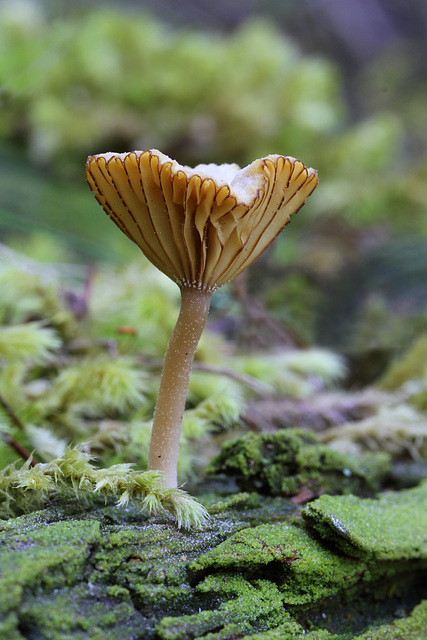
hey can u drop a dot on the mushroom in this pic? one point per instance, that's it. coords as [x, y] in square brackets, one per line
[201, 227]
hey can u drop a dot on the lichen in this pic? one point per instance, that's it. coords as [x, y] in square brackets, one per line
[412, 627]
[73, 568]
[293, 631]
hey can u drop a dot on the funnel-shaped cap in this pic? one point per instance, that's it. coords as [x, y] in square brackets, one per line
[201, 226]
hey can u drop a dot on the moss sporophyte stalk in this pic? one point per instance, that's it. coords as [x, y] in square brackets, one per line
[201, 227]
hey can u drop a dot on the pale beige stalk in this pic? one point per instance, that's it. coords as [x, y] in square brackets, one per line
[168, 414]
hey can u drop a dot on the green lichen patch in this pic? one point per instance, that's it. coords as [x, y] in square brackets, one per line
[391, 528]
[304, 569]
[151, 560]
[72, 615]
[248, 607]
[289, 460]
[82, 572]
[293, 631]
[60, 564]
[42, 556]
[412, 627]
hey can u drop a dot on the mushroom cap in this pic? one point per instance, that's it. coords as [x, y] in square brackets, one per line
[200, 226]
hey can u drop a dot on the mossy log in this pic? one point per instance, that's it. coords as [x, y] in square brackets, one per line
[257, 570]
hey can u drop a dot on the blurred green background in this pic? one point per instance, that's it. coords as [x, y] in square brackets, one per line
[340, 85]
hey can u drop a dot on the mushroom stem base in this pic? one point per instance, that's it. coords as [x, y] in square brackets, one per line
[174, 382]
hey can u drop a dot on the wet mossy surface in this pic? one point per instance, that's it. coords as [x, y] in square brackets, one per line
[257, 570]
[391, 527]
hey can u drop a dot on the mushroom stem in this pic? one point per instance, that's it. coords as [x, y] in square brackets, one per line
[174, 382]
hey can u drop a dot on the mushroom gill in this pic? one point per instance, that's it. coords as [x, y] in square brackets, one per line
[195, 227]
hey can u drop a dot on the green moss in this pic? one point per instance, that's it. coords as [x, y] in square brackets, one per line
[251, 605]
[75, 570]
[9, 627]
[293, 631]
[305, 570]
[27, 487]
[44, 555]
[71, 614]
[414, 627]
[410, 367]
[285, 462]
[82, 572]
[391, 528]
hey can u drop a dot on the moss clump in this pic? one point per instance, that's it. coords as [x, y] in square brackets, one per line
[26, 488]
[28, 341]
[285, 462]
[393, 527]
[409, 366]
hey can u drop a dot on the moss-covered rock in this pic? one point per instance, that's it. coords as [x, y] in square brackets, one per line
[248, 606]
[42, 556]
[70, 613]
[83, 572]
[413, 627]
[80, 572]
[392, 527]
[303, 568]
[289, 460]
